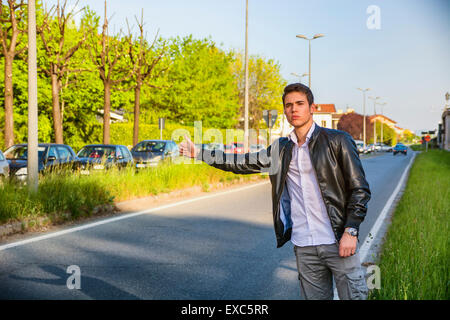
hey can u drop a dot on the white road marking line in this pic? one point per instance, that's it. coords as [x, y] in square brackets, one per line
[364, 249]
[122, 217]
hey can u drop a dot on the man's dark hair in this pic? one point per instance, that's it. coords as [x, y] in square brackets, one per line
[298, 87]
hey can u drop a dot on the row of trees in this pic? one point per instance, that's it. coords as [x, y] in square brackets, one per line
[85, 71]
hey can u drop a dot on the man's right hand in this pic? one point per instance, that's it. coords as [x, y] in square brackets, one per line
[188, 149]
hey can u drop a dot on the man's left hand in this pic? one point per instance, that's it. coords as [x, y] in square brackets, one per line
[347, 245]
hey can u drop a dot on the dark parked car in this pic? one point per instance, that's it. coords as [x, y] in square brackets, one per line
[104, 156]
[51, 156]
[4, 166]
[399, 148]
[149, 153]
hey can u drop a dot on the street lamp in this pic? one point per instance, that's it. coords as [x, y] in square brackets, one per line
[364, 114]
[246, 81]
[319, 35]
[382, 117]
[374, 119]
[298, 76]
[32, 163]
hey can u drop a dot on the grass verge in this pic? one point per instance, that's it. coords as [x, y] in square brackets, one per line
[414, 260]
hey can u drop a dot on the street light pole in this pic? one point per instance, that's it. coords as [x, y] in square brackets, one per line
[319, 35]
[32, 163]
[298, 76]
[374, 119]
[382, 124]
[246, 81]
[364, 114]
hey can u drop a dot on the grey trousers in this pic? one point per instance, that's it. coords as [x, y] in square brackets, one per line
[318, 265]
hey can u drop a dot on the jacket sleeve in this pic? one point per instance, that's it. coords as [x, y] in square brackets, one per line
[247, 163]
[355, 180]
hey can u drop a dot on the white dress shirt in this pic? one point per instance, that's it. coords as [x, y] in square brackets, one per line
[311, 225]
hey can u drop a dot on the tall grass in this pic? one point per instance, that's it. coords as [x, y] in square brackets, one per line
[78, 194]
[414, 262]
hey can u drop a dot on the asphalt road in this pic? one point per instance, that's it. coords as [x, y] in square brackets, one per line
[222, 247]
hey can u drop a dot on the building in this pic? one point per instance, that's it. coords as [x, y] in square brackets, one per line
[445, 130]
[323, 115]
[382, 118]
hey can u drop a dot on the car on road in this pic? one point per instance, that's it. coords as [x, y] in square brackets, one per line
[151, 153]
[214, 146]
[399, 148]
[371, 147]
[238, 147]
[4, 166]
[104, 156]
[360, 147]
[51, 157]
[383, 147]
[228, 148]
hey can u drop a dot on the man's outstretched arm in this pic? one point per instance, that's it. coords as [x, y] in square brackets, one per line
[247, 163]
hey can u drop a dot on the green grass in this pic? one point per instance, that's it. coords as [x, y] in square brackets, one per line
[414, 262]
[78, 194]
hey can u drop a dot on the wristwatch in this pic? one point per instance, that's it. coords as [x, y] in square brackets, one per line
[352, 231]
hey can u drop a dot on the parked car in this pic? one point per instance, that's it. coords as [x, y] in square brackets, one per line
[150, 153]
[51, 156]
[256, 147]
[371, 147]
[104, 156]
[361, 149]
[214, 146]
[377, 146]
[4, 166]
[399, 148]
[228, 148]
[238, 147]
[384, 148]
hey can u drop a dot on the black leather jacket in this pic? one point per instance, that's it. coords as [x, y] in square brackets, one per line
[339, 172]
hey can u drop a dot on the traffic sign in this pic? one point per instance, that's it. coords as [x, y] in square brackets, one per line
[270, 116]
[427, 138]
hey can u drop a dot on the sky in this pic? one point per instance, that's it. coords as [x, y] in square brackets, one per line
[402, 53]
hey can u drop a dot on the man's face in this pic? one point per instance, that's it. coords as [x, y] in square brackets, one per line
[297, 109]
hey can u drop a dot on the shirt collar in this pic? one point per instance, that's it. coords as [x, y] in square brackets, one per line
[293, 137]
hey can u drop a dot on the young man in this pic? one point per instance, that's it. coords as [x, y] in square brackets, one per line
[319, 197]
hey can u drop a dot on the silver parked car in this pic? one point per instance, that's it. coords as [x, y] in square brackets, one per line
[4, 166]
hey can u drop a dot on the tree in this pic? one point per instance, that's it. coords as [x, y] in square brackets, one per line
[353, 124]
[199, 87]
[12, 35]
[143, 61]
[106, 52]
[59, 51]
[265, 86]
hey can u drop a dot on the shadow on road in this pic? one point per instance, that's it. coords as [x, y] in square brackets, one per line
[155, 257]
